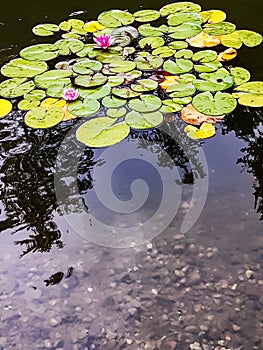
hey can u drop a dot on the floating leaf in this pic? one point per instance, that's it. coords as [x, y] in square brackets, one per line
[178, 45]
[39, 52]
[84, 108]
[205, 56]
[95, 93]
[148, 30]
[207, 67]
[221, 103]
[125, 92]
[15, 87]
[190, 115]
[149, 62]
[239, 37]
[189, 17]
[249, 99]
[116, 112]
[20, 68]
[185, 30]
[41, 118]
[153, 42]
[240, 75]
[146, 15]
[45, 29]
[179, 67]
[92, 27]
[113, 102]
[26, 105]
[186, 78]
[120, 66]
[115, 18]
[45, 80]
[168, 81]
[144, 85]
[141, 121]
[95, 80]
[185, 53]
[146, 103]
[56, 89]
[179, 7]
[213, 16]
[204, 40]
[67, 46]
[205, 131]
[169, 106]
[35, 95]
[254, 87]
[115, 80]
[164, 51]
[87, 66]
[5, 107]
[126, 30]
[221, 28]
[51, 102]
[220, 80]
[102, 132]
[130, 76]
[181, 90]
[183, 100]
[227, 55]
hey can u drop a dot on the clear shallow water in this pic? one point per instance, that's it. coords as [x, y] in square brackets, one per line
[147, 297]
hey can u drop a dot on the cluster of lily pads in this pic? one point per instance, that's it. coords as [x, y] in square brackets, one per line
[128, 71]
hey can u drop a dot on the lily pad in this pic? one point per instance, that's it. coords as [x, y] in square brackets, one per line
[125, 92]
[102, 132]
[204, 40]
[26, 105]
[207, 67]
[35, 95]
[116, 112]
[169, 106]
[182, 100]
[56, 89]
[181, 90]
[220, 28]
[152, 42]
[45, 80]
[119, 66]
[20, 68]
[240, 75]
[185, 53]
[205, 131]
[5, 107]
[141, 121]
[45, 29]
[164, 51]
[115, 18]
[67, 46]
[150, 62]
[15, 87]
[186, 78]
[213, 16]
[144, 85]
[115, 80]
[239, 37]
[179, 18]
[39, 52]
[179, 7]
[249, 99]
[92, 27]
[113, 102]
[87, 66]
[254, 87]
[146, 15]
[178, 45]
[84, 108]
[95, 93]
[41, 118]
[91, 81]
[221, 103]
[185, 30]
[217, 81]
[148, 30]
[179, 67]
[130, 76]
[145, 104]
[205, 56]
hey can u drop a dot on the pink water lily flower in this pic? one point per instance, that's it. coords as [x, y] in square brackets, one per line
[103, 41]
[70, 94]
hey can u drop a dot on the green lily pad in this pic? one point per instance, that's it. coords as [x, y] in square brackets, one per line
[205, 56]
[115, 80]
[146, 15]
[88, 50]
[116, 112]
[87, 66]
[125, 92]
[35, 95]
[39, 52]
[70, 36]
[184, 53]
[115, 18]
[179, 67]
[102, 132]
[126, 30]
[84, 108]
[15, 87]
[145, 104]
[179, 18]
[183, 100]
[221, 103]
[178, 45]
[181, 90]
[239, 37]
[205, 131]
[56, 89]
[213, 16]
[217, 81]
[144, 85]
[185, 30]
[113, 102]
[254, 87]
[45, 80]
[207, 67]
[164, 51]
[20, 68]
[91, 81]
[186, 78]
[179, 7]
[95, 93]
[67, 46]
[169, 106]
[130, 76]
[45, 29]
[148, 30]
[40, 118]
[249, 99]
[240, 75]
[141, 121]
[149, 62]
[220, 28]
[119, 66]
[152, 42]
[26, 105]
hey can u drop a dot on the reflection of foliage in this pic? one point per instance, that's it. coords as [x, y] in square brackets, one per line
[247, 124]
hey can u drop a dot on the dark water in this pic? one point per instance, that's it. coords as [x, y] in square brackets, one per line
[201, 290]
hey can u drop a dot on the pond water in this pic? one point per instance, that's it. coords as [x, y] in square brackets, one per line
[198, 290]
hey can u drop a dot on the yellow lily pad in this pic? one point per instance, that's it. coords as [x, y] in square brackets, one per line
[227, 55]
[204, 40]
[205, 131]
[5, 107]
[93, 26]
